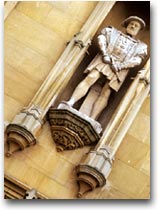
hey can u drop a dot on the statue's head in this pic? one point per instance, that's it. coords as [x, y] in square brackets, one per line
[133, 25]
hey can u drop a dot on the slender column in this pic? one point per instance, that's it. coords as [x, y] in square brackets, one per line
[23, 129]
[71, 58]
[95, 167]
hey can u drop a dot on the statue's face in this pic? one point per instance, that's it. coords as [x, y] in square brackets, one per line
[133, 28]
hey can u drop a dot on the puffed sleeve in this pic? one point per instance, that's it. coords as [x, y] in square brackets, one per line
[106, 30]
[102, 39]
[142, 50]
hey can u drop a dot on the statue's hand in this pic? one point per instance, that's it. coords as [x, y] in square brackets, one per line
[116, 67]
[106, 59]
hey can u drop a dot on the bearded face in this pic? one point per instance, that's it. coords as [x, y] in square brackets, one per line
[133, 28]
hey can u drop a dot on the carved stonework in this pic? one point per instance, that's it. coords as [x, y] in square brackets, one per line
[93, 170]
[55, 82]
[23, 129]
[95, 167]
[31, 194]
[72, 129]
[15, 189]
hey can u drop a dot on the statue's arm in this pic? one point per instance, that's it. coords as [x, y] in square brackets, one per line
[102, 44]
[131, 63]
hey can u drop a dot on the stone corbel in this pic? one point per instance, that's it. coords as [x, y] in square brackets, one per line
[96, 166]
[22, 131]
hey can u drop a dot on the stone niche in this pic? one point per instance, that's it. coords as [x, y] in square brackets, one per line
[119, 12]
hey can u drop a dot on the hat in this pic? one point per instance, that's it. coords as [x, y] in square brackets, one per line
[131, 18]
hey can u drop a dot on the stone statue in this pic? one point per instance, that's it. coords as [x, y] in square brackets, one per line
[118, 53]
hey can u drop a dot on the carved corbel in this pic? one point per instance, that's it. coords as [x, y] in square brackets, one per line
[96, 166]
[72, 129]
[22, 131]
[94, 170]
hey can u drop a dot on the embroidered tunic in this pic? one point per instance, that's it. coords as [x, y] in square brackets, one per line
[122, 49]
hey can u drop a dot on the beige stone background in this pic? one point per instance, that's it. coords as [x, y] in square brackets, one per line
[35, 34]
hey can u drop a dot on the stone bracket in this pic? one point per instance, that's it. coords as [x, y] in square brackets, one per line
[72, 129]
[93, 171]
[21, 133]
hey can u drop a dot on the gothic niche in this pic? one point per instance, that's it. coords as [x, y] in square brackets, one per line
[76, 122]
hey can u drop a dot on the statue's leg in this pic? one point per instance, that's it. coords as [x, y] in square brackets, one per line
[84, 86]
[101, 102]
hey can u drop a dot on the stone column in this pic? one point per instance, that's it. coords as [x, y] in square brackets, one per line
[95, 166]
[22, 131]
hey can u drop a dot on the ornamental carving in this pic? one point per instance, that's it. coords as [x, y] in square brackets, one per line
[70, 131]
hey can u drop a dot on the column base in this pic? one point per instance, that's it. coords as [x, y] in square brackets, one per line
[18, 138]
[93, 171]
[21, 133]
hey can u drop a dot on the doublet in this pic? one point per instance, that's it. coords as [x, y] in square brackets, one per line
[124, 50]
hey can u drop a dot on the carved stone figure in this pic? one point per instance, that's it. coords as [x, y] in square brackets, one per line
[118, 53]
